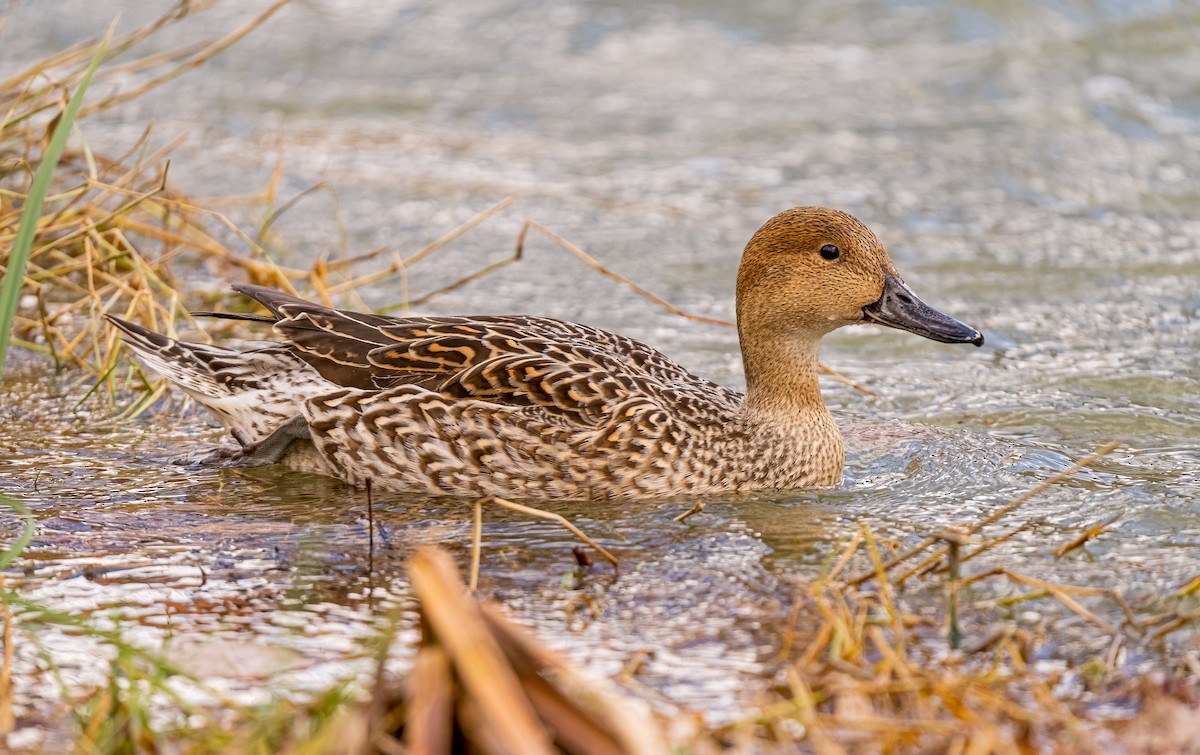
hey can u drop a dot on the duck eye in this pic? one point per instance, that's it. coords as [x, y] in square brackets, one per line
[830, 252]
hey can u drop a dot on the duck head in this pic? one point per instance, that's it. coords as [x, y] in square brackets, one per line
[810, 270]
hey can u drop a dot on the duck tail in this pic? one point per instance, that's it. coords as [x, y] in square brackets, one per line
[178, 361]
[251, 391]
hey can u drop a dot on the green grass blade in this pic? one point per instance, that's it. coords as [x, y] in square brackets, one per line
[18, 256]
[10, 554]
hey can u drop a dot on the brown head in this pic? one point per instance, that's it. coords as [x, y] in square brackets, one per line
[810, 270]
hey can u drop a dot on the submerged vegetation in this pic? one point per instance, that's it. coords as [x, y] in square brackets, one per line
[894, 647]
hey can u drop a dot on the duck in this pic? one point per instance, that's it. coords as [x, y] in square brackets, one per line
[526, 407]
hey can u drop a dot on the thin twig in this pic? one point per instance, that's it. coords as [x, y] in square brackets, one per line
[847, 554]
[476, 544]
[1086, 535]
[401, 265]
[194, 61]
[562, 520]
[695, 509]
[1059, 593]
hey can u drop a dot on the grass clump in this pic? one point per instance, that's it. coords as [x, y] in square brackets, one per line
[868, 667]
[76, 226]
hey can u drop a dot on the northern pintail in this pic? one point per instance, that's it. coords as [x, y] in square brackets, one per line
[533, 407]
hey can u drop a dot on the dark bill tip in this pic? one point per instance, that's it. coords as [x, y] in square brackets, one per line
[900, 308]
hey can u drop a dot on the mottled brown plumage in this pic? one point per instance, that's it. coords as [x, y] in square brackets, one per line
[533, 407]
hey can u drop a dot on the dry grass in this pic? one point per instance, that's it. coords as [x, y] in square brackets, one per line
[111, 232]
[865, 667]
[869, 668]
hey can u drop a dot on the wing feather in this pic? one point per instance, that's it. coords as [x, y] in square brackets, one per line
[574, 373]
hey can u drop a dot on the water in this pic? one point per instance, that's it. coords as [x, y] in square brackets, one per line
[1031, 167]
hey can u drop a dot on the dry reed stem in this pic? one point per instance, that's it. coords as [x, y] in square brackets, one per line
[429, 719]
[789, 632]
[817, 646]
[934, 566]
[847, 554]
[1177, 623]
[1189, 588]
[503, 707]
[606, 719]
[886, 592]
[478, 680]
[1126, 609]
[813, 722]
[1060, 593]
[634, 666]
[1041, 487]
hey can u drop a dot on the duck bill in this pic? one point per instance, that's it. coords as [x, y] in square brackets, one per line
[900, 308]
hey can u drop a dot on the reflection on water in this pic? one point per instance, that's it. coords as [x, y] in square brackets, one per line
[1031, 167]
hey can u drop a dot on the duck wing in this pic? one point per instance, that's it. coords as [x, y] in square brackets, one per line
[573, 372]
[577, 385]
[333, 342]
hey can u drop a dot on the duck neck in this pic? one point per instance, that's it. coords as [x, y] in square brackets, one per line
[781, 379]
